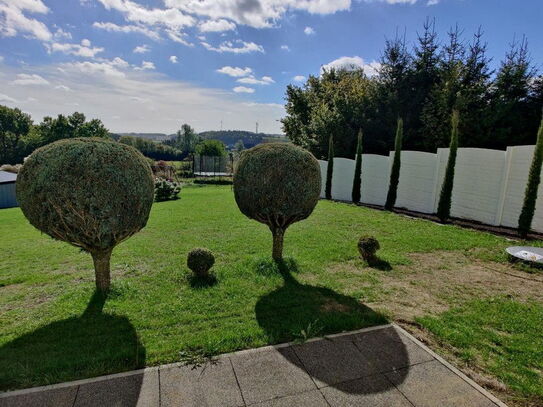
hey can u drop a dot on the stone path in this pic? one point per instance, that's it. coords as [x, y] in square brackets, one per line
[379, 366]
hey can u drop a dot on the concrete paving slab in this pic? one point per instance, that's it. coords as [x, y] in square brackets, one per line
[270, 374]
[375, 391]
[310, 399]
[212, 385]
[390, 350]
[59, 397]
[332, 361]
[432, 384]
[137, 390]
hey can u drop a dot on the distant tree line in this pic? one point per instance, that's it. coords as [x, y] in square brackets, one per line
[19, 136]
[422, 85]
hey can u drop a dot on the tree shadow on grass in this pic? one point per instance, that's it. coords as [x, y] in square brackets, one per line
[379, 264]
[299, 311]
[89, 345]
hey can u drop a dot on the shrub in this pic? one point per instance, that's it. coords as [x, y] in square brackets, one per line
[395, 171]
[329, 169]
[357, 180]
[90, 192]
[200, 260]
[368, 246]
[444, 207]
[277, 184]
[166, 190]
[534, 178]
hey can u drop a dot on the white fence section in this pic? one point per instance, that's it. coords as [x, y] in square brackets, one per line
[489, 185]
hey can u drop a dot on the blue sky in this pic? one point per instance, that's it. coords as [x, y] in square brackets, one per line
[150, 65]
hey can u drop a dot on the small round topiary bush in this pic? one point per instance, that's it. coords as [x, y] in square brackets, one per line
[200, 260]
[89, 192]
[277, 184]
[368, 246]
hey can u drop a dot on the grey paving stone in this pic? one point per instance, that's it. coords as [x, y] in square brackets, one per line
[62, 397]
[389, 349]
[309, 399]
[332, 361]
[375, 391]
[269, 374]
[213, 385]
[432, 384]
[137, 390]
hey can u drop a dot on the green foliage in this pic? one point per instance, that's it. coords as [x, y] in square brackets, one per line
[152, 149]
[395, 171]
[249, 139]
[166, 190]
[534, 178]
[200, 260]
[14, 126]
[185, 140]
[90, 192]
[329, 168]
[277, 184]
[211, 148]
[357, 180]
[63, 127]
[367, 247]
[445, 197]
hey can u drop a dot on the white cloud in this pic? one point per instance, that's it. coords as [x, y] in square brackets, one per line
[432, 2]
[141, 49]
[396, 1]
[30, 79]
[216, 26]
[127, 29]
[299, 78]
[178, 37]
[235, 72]
[256, 14]
[251, 80]
[13, 20]
[243, 89]
[285, 48]
[351, 63]
[108, 97]
[60, 34]
[83, 50]
[173, 59]
[63, 87]
[145, 65]
[6, 99]
[309, 31]
[229, 46]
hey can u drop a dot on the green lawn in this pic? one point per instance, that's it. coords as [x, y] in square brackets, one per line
[53, 329]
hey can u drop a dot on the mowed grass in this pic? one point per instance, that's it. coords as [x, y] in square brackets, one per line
[53, 329]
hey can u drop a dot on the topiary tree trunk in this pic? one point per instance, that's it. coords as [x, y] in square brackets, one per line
[329, 168]
[101, 259]
[534, 178]
[278, 237]
[357, 181]
[395, 172]
[445, 198]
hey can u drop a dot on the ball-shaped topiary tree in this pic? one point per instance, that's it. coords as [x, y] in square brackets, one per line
[89, 192]
[277, 184]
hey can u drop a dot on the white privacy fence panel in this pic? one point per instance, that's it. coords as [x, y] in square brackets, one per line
[518, 163]
[489, 185]
[416, 189]
[478, 184]
[342, 179]
[375, 178]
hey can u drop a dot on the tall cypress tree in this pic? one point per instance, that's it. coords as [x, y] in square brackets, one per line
[445, 198]
[534, 178]
[357, 181]
[329, 168]
[395, 172]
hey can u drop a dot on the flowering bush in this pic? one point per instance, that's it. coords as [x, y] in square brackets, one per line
[166, 190]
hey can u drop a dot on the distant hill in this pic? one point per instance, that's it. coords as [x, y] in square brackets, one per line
[148, 136]
[250, 139]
